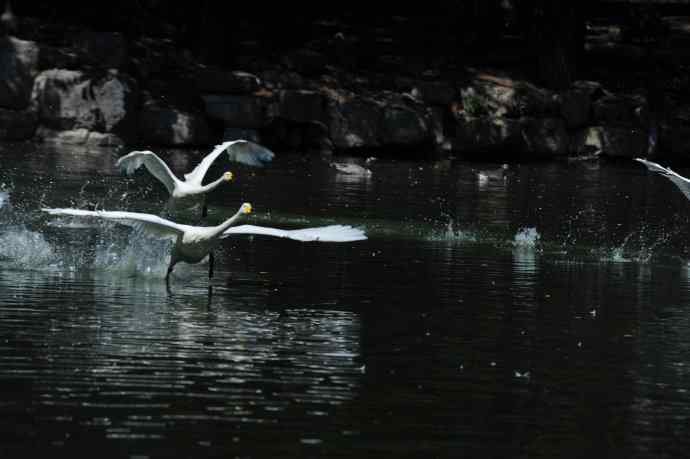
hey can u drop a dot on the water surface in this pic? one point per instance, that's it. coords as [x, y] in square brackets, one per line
[540, 315]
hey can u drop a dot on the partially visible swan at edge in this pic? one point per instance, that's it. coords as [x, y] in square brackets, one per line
[193, 243]
[681, 182]
[190, 192]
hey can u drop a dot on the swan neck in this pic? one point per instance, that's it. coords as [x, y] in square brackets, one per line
[228, 223]
[211, 186]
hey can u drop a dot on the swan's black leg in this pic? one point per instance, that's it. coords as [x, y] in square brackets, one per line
[204, 209]
[167, 277]
[210, 265]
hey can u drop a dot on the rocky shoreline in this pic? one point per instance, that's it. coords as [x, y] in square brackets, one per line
[100, 90]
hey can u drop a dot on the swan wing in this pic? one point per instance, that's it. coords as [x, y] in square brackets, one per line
[331, 233]
[681, 182]
[152, 224]
[134, 160]
[239, 151]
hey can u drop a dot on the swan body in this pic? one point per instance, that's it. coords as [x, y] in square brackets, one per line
[678, 180]
[193, 243]
[190, 191]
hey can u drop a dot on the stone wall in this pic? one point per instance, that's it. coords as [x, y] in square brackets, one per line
[100, 90]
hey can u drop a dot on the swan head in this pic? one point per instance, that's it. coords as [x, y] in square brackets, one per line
[246, 208]
[228, 176]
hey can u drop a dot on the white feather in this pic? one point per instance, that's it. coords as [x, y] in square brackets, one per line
[681, 182]
[332, 233]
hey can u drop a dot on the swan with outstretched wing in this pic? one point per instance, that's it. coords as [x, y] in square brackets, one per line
[678, 180]
[190, 192]
[192, 243]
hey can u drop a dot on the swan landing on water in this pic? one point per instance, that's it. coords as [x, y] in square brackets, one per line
[193, 243]
[681, 182]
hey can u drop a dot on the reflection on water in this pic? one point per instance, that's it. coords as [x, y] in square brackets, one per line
[541, 315]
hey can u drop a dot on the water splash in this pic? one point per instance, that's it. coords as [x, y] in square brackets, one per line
[453, 234]
[131, 253]
[636, 247]
[19, 246]
[22, 248]
[526, 238]
[5, 200]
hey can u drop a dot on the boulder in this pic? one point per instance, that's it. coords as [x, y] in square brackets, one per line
[68, 99]
[18, 67]
[354, 122]
[102, 49]
[620, 110]
[232, 133]
[575, 108]
[404, 126]
[436, 92]
[239, 111]
[170, 126]
[510, 98]
[306, 61]
[609, 140]
[79, 136]
[437, 125]
[218, 81]
[545, 137]
[17, 124]
[486, 133]
[301, 106]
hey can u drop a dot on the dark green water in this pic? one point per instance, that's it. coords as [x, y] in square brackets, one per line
[544, 315]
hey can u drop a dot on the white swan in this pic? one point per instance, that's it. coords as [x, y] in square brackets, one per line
[681, 182]
[193, 243]
[190, 192]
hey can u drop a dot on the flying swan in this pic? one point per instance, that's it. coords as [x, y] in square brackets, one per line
[190, 192]
[681, 182]
[193, 243]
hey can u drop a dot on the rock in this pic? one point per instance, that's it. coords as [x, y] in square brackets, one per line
[620, 110]
[545, 137]
[169, 126]
[301, 106]
[232, 133]
[317, 140]
[575, 108]
[354, 123]
[513, 99]
[68, 99]
[674, 137]
[593, 89]
[239, 111]
[18, 67]
[436, 92]
[305, 61]
[79, 136]
[102, 49]
[280, 79]
[479, 134]
[404, 126]
[437, 125]
[17, 125]
[611, 141]
[210, 80]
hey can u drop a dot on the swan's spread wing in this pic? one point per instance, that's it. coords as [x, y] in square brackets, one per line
[152, 224]
[134, 160]
[240, 151]
[681, 182]
[332, 233]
